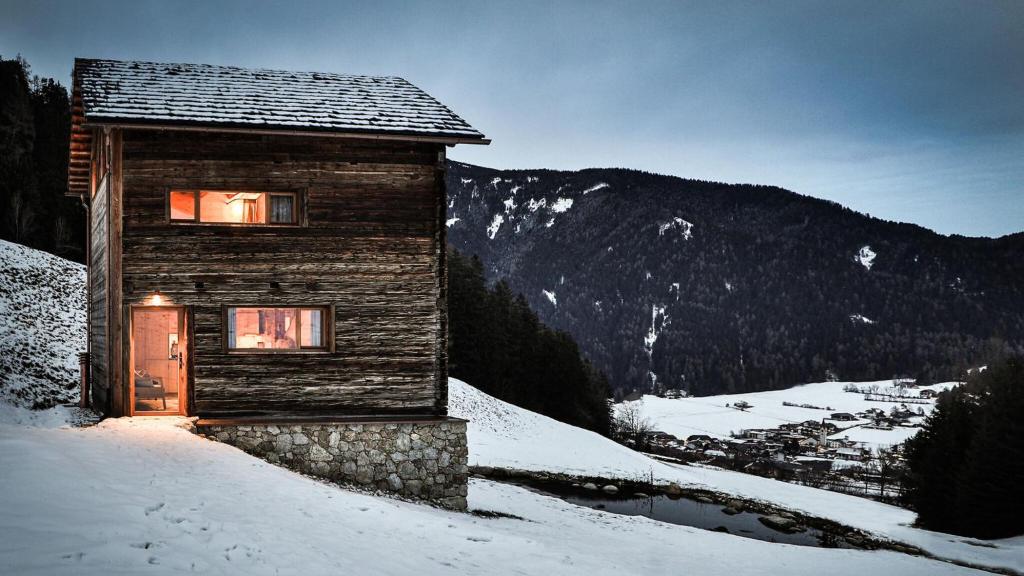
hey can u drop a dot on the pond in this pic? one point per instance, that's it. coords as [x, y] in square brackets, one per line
[685, 511]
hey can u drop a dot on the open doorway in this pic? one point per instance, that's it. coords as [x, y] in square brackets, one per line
[158, 358]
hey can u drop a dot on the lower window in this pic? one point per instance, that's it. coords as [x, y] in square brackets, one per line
[277, 328]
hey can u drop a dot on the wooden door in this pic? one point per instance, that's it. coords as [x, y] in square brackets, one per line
[158, 361]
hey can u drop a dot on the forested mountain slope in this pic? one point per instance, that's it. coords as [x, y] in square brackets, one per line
[715, 287]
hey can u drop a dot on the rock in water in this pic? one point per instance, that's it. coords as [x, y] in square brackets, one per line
[611, 489]
[736, 505]
[781, 524]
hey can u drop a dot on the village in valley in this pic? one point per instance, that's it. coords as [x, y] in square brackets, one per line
[856, 449]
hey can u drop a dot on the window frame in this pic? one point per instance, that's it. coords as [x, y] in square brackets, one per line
[326, 330]
[298, 206]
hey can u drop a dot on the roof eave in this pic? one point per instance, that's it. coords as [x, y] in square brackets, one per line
[447, 139]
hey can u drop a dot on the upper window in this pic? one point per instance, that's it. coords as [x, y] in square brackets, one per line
[277, 328]
[233, 207]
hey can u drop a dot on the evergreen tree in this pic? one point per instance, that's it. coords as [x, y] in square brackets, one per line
[990, 503]
[497, 344]
[966, 464]
[935, 457]
[35, 124]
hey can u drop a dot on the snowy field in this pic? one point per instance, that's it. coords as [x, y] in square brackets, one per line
[710, 415]
[503, 435]
[144, 496]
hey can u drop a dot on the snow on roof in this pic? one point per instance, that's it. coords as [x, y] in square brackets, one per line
[201, 94]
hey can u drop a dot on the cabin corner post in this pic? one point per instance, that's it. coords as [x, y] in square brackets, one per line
[440, 175]
[119, 340]
[190, 350]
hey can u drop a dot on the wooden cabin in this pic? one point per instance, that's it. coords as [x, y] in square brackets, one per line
[264, 247]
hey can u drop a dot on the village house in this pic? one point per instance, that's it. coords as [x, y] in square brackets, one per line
[266, 254]
[842, 417]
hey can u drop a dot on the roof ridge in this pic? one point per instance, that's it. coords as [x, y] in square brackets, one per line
[240, 68]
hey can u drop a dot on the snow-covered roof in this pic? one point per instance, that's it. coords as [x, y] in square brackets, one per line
[130, 92]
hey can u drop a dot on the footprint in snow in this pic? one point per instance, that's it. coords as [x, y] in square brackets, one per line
[154, 508]
[477, 539]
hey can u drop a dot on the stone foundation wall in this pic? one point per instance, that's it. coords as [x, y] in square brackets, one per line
[426, 460]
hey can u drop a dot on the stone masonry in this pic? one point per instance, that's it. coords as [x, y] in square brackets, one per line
[420, 459]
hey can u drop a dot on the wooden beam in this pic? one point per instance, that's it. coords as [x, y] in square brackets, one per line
[451, 141]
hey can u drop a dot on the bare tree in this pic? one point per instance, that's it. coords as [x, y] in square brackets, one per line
[62, 236]
[20, 217]
[630, 424]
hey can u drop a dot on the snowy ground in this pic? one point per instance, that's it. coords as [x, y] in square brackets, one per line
[503, 435]
[710, 415]
[133, 496]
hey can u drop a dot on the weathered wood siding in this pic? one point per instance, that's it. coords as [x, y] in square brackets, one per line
[370, 245]
[98, 304]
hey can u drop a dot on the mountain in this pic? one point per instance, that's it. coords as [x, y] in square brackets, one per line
[672, 283]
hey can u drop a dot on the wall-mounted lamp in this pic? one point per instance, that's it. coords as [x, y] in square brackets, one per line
[158, 298]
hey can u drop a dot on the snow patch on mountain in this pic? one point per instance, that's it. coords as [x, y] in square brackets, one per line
[659, 319]
[448, 223]
[533, 205]
[860, 319]
[865, 257]
[551, 297]
[561, 205]
[685, 228]
[492, 229]
[595, 188]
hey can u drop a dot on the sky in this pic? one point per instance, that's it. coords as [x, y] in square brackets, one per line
[908, 111]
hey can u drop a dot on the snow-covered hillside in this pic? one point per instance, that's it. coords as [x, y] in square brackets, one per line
[716, 417]
[134, 496]
[503, 435]
[42, 326]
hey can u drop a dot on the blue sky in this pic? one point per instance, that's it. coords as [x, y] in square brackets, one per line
[909, 111]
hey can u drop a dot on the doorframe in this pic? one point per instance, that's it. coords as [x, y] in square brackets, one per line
[184, 369]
